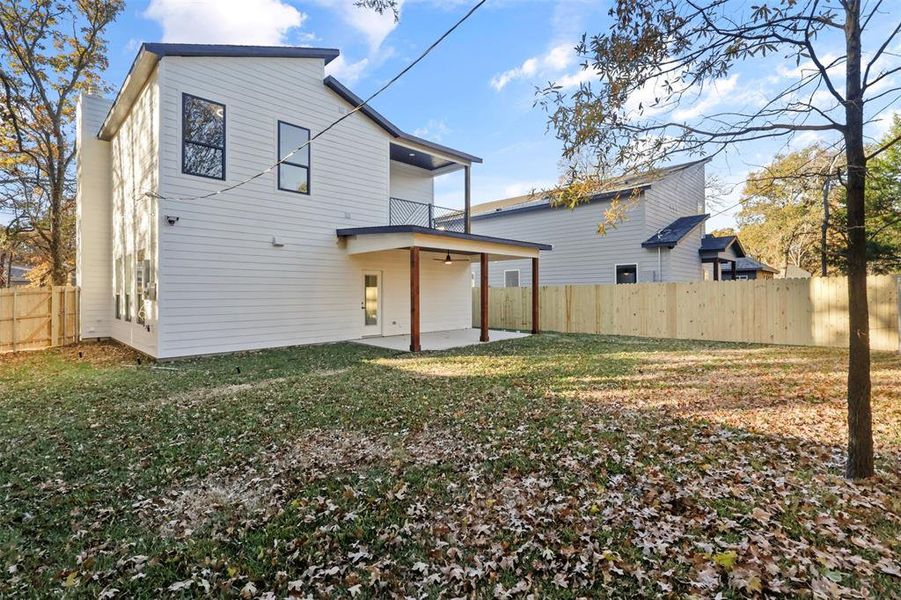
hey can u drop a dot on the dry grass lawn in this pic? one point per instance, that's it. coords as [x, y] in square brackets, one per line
[557, 465]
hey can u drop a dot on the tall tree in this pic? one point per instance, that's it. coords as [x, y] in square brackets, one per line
[658, 53]
[50, 51]
[781, 213]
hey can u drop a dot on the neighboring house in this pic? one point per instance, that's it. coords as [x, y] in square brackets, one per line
[660, 239]
[340, 242]
[793, 272]
[750, 268]
[18, 275]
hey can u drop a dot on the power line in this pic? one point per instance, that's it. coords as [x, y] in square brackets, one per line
[357, 108]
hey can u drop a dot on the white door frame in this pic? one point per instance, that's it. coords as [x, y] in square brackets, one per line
[372, 330]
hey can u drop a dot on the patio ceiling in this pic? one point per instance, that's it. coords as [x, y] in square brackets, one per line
[362, 240]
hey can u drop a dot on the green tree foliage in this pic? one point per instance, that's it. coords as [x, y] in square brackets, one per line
[782, 210]
[50, 51]
[782, 213]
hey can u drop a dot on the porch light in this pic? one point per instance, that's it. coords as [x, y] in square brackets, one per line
[447, 259]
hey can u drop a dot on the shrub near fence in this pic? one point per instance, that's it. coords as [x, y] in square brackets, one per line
[40, 317]
[804, 312]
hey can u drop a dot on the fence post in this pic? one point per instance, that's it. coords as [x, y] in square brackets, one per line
[898, 308]
[54, 316]
[13, 325]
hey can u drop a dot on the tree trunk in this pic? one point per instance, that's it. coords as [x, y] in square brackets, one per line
[860, 418]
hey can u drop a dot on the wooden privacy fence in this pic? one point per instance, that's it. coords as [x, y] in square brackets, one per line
[40, 317]
[804, 312]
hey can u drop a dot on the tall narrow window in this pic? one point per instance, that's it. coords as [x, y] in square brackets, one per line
[294, 173]
[139, 289]
[117, 283]
[203, 137]
[128, 282]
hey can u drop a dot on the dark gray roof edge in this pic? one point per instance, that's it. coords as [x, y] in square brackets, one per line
[425, 230]
[161, 49]
[166, 49]
[383, 122]
[749, 263]
[502, 212]
[733, 239]
[693, 220]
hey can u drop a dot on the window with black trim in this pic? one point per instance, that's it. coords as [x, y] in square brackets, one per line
[203, 137]
[294, 172]
[626, 274]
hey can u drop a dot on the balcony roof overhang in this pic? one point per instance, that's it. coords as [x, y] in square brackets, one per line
[362, 240]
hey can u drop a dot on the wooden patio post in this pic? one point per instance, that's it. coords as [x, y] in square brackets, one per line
[483, 291]
[467, 200]
[414, 300]
[535, 315]
[716, 270]
[733, 270]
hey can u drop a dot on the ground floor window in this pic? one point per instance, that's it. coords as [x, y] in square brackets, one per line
[626, 273]
[117, 286]
[511, 278]
[127, 281]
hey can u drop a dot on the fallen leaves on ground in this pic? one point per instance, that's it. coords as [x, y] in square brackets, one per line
[550, 466]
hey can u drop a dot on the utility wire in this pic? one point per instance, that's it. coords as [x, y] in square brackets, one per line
[357, 108]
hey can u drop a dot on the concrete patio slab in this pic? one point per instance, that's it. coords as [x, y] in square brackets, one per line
[440, 340]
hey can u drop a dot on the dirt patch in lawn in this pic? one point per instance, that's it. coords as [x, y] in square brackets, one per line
[257, 490]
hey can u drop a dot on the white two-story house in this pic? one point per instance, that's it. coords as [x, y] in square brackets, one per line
[192, 240]
[660, 239]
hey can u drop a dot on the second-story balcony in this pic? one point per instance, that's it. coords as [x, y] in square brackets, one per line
[421, 214]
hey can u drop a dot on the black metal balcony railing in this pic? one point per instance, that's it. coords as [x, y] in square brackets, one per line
[407, 212]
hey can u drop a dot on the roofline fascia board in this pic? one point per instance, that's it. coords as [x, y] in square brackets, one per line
[387, 229]
[395, 131]
[546, 205]
[158, 51]
[241, 51]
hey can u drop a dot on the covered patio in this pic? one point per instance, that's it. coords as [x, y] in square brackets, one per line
[468, 247]
[441, 340]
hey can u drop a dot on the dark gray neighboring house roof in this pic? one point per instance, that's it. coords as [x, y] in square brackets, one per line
[673, 233]
[392, 129]
[380, 229]
[545, 203]
[752, 264]
[713, 245]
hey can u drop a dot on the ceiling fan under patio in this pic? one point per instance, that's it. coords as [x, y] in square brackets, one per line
[448, 260]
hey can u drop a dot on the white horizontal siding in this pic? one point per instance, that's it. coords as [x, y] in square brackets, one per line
[93, 264]
[580, 254]
[223, 285]
[680, 194]
[134, 173]
[412, 183]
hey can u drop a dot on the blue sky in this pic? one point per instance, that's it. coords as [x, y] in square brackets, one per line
[475, 92]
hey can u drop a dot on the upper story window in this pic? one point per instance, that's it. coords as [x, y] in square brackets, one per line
[294, 172]
[203, 137]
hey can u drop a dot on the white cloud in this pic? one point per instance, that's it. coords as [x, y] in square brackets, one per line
[551, 63]
[263, 22]
[347, 72]
[715, 93]
[434, 130]
[374, 26]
